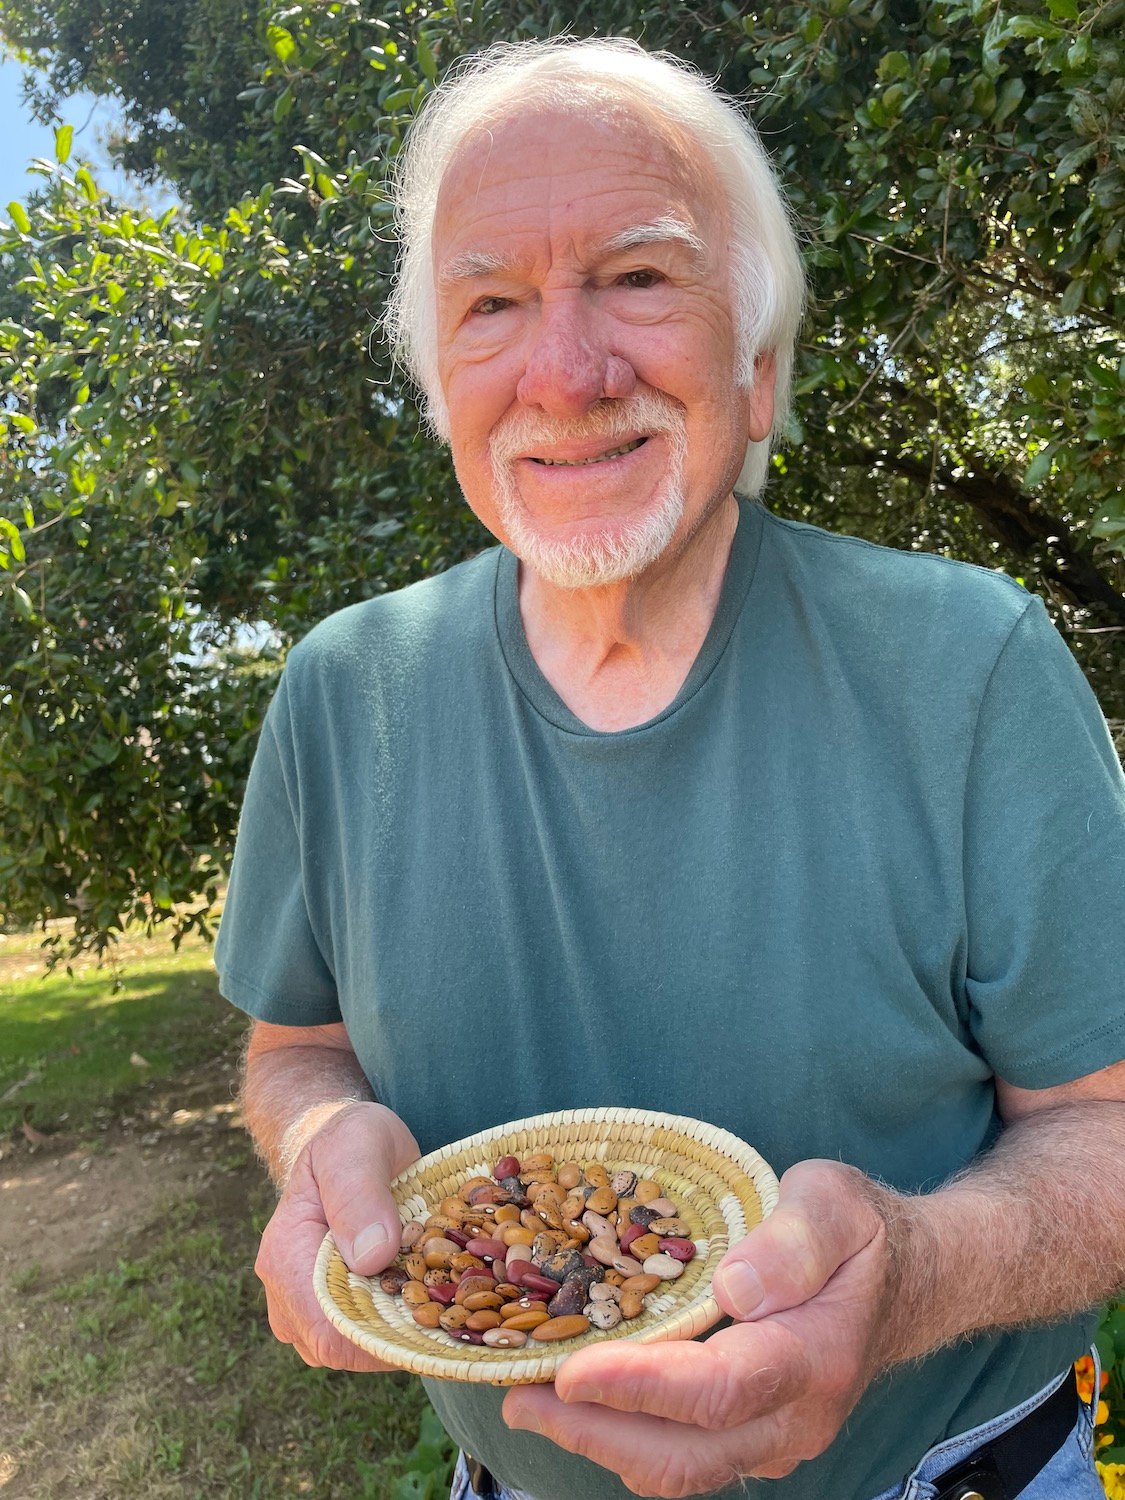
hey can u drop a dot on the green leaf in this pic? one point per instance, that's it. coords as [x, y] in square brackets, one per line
[893, 65]
[87, 184]
[1071, 299]
[1070, 163]
[23, 602]
[283, 104]
[1063, 10]
[426, 59]
[18, 215]
[1008, 98]
[1038, 469]
[281, 42]
[64, 134]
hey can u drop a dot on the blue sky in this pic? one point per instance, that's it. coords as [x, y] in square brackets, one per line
[22, 138]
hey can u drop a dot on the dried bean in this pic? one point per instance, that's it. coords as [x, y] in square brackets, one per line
[682, 1249]
[604, 1315]
[427, 1315]
[667, 1267]
[505, 1337]
[560, 1328]
[663, 1206]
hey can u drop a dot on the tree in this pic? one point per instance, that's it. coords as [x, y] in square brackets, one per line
[199, 437]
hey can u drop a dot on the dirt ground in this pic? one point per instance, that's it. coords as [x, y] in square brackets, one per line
[71, 1205]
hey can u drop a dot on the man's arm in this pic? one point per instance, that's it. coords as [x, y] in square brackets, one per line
[332, 1151]
[846, 1278]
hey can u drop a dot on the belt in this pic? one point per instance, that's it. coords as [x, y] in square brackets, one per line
[998, 1470]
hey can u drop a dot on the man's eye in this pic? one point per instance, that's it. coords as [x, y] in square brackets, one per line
[488, 305]
[641, 279]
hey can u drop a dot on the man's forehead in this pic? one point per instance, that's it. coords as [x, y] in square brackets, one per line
[630, 177]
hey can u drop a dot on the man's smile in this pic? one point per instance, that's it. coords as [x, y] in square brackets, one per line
[597, 458]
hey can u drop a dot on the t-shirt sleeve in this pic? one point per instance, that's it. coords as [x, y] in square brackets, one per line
[1044, 857]
[269, 960]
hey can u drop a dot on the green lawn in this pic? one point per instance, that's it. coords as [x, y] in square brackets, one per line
[153, 1372]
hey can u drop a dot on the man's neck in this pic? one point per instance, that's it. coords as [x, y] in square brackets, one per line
[618, 655]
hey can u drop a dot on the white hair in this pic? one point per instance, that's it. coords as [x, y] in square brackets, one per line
[767, 278]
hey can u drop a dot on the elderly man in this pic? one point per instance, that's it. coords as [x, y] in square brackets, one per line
[668, 802]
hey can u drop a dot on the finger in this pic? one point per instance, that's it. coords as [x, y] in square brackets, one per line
[736, 1376]
[356, 1202]
[652, 1457]
[826, 1214]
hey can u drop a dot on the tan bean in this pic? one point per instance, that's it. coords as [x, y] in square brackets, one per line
[414, 1294]
[483, 1302]
[643, 1283]
[573, 1207]
[538, 1161]
[569, 1175]
[466, 1262]
[596, 1175]
[469, 1286]
[437, 1276]
[664, 1207]
[527, 1322]
[543, 1190]
[454, 1318]
[507, 1213]
[427, 1314]
[632, 1304]
[455, 1208]
[643, 1245]
[505, 1337]
[646, 1190]
[553, 1329]
[613, 1278]
[520, 1234]
[670, 1229]
[439, 1254]
[602, 1200]
[486, 1318]
[415, 1267]
[507, 1291]
[522, 1305]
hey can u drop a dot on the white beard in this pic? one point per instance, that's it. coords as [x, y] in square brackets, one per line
[593, 560]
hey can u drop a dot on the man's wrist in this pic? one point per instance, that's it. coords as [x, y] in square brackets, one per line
[301, 1130]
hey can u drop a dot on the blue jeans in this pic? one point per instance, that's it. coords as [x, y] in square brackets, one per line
[1069, 1475]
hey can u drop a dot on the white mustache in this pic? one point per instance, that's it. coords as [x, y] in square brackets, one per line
[646, 414]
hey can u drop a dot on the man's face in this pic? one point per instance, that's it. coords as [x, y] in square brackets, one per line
[584, 308]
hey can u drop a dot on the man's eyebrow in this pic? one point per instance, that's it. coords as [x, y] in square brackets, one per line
[471, 264]
[667, 229]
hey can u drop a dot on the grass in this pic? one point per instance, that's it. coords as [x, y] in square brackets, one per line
[76, 1049]
[154, 1374]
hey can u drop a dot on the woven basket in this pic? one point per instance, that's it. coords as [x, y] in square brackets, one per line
[721, 1186]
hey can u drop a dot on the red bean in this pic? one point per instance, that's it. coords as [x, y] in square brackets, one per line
[633, 1232]
[489, 1249]
[678, 1249]
[507, 1166]
[444, 1292]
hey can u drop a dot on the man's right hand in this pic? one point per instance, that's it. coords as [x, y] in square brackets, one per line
[339, 1182]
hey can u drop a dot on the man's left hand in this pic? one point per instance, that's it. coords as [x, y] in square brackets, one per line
[811, 1289]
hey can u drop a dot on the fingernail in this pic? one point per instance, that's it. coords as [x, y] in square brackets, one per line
[743, 1288]
[368, 1239]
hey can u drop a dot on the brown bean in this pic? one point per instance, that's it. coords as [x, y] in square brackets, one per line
[412, 1233]
[466, 1262]
[596, 1175]
[453, 1319]
[526, 1322]
[427, 1315]
[520, 1234]
[415, 1267]
[644, 1245]
[474, 1182]
[393, 1279]
[569, 1175]
[485, 1318]
[507, 1213]
[522, 1305]
[483, 1302]
[438, 1276]
[643, 1283]
[553, 1329]
[603, 1200]
[646, 1190]
[414, 1294]
[537, 1161]
[439, 1253]
[632, 1304]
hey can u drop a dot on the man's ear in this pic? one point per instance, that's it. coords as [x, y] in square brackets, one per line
[759, 398]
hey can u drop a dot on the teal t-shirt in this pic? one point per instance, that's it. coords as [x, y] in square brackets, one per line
[871, 856]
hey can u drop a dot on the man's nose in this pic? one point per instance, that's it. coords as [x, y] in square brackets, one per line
[569, 364]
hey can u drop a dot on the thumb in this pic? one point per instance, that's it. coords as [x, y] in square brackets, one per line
[352, 1170]
[825, 1214]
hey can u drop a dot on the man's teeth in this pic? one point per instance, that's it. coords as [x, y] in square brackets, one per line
[574, 462]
